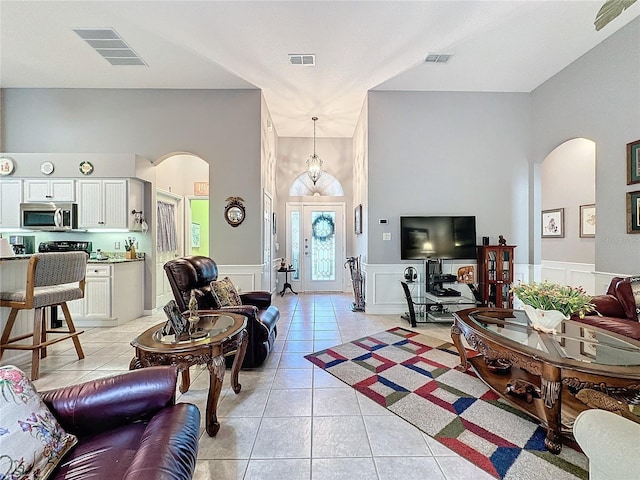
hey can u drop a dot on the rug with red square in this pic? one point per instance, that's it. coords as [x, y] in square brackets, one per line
[414, 376]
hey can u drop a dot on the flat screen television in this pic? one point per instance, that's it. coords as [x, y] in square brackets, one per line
[442, 237]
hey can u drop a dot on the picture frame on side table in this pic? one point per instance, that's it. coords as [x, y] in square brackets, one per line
[553, 223]
[633, 162]
[588, 221]
[357, 220]
[633, 212]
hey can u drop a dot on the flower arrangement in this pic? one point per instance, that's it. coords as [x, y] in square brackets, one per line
[552, 296]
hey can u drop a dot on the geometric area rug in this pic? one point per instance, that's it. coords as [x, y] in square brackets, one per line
[414, 376]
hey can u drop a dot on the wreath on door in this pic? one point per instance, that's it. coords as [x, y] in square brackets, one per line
[323, 228]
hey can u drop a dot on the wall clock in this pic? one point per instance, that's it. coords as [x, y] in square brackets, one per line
[46, 168]
[6, 166]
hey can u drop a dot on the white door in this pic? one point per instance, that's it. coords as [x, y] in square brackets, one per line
[268, 241]
[163, 289]
[323, 247]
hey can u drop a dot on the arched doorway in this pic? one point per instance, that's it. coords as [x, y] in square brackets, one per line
[182, 213]
[568, 195]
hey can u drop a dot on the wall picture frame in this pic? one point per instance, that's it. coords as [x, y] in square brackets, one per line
[633, 212]
[274, 223]
[588, 221]
[633, 162]
[553, 223]
[195, 235]
[357, 220]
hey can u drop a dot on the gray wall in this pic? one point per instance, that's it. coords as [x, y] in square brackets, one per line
[220, 126]
[598, 97]
[434, 153]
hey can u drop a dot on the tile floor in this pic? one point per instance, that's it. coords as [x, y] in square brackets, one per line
[291, 420]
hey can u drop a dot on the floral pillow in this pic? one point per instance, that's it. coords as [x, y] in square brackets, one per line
[32, 441]
[225, 293]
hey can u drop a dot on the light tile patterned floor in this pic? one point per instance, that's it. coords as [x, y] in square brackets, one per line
[292, 420]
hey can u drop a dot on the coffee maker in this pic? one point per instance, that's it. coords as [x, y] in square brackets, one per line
[23, 244]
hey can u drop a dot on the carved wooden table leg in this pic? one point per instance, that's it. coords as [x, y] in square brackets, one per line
[455, 337]
[551, 392]
[216, 376]
[186, 381]
[243, 340]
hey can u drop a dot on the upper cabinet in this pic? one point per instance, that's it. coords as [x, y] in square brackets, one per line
[49, 190]
[108, 203]
[10, 198]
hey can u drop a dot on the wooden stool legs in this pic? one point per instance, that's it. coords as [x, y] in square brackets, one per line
[39, 342]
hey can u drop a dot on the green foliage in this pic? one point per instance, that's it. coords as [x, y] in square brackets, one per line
[552, 296]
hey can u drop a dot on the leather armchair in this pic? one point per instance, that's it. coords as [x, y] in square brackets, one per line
[196, 273]
[617, 309]
[128, 427]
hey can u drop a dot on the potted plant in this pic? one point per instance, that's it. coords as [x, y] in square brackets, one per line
[547, 304]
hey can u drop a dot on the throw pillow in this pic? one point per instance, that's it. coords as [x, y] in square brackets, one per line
[635, 288]
[32, 441]
[225, 293]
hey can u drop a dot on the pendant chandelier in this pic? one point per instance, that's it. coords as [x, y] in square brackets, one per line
[314, 163]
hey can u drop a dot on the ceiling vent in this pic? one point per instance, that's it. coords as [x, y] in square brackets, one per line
[110, 45]
[438, 57]
[306, 59]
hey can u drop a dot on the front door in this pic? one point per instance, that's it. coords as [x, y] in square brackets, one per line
[322, 247]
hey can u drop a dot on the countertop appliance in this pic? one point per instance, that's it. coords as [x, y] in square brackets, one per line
[50, 217]
[65, 246]
[23, 244]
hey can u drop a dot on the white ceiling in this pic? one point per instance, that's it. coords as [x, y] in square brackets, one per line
[498, 46]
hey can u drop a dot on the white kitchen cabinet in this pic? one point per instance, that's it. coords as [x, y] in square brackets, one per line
[113, 295]
[10, 198]
[108, 203]
[96, 304]
[49, 190]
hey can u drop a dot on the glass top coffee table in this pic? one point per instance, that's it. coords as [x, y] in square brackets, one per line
[219, 335]
[540, 373]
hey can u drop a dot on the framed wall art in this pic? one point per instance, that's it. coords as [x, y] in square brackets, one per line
[633, 212]
[357, 220]
[195, 235]
[587, 221]
[274, 223]
[633, 162]
[553, 223]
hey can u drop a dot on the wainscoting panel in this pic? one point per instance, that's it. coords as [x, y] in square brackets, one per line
[246, 278]
[574, 274]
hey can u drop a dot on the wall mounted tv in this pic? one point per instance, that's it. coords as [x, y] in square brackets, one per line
[442, 237]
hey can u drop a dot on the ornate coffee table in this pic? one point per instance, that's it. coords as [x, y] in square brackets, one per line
[225, 334]
[547, 369]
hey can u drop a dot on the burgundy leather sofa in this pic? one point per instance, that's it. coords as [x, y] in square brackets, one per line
[196, 273]
[128, 427]
[617, 309]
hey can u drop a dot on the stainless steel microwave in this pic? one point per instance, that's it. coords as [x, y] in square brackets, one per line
[51, 217]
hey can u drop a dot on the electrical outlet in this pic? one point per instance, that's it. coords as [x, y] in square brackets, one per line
[117, 246]
[386, 236]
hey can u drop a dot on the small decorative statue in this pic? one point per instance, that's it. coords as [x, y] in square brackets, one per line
[521, 388]
[193, 313]
[501, 240]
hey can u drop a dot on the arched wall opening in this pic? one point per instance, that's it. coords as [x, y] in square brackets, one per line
[567, 216]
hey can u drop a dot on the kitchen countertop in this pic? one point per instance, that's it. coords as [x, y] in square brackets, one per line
[91, 260]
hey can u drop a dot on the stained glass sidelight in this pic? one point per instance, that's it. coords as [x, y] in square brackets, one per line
[295, 244]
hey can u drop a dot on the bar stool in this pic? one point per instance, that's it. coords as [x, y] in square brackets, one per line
[53, 279]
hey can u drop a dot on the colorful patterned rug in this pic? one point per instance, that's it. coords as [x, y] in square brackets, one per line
[414, 376]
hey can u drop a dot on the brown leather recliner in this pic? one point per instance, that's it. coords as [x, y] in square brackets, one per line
[196, 273]
[128, 426]
[617, 309]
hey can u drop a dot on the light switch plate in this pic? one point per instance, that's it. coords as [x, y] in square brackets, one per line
[117, 246]
[386, 236]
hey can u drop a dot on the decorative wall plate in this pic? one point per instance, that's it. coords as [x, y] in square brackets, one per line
[46, 168]
[6, 166]
[86, 168]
